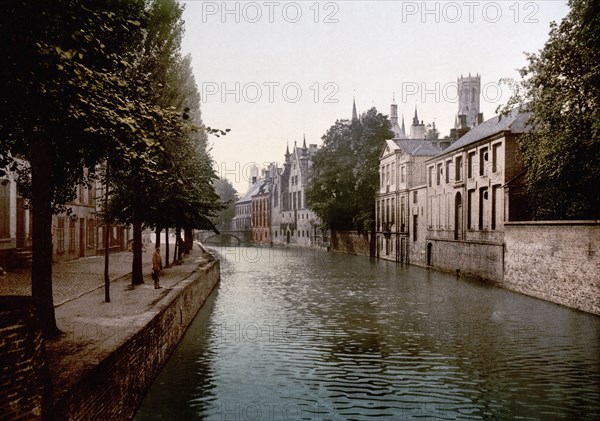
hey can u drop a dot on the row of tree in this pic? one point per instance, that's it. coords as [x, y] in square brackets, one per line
[99, 89]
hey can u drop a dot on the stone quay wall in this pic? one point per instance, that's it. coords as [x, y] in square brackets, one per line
[472, 259]
[557, 261]
[23, 372]
[351, 242]
[115, 387]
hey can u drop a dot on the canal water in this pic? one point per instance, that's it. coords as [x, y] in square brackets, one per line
[299, 334]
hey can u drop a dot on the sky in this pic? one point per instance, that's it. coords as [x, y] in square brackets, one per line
[276, 71]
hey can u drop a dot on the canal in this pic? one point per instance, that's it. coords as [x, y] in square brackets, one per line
[299, 334]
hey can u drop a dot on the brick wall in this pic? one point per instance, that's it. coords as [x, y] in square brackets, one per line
[555, 261]
[115, 387]
[350, 242]
[23, 371]
[472, 259]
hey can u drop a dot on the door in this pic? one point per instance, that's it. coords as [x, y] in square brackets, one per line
[458, 217]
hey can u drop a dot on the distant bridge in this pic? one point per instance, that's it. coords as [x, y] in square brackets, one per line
[224, 236]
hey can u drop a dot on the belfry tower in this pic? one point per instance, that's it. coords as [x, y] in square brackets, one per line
[469, 92]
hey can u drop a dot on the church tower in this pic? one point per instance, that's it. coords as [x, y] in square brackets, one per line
[469, 92]
[354, 114]
[417, 130]
[399, 132]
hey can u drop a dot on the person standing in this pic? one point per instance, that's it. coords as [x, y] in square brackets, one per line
[156, 267]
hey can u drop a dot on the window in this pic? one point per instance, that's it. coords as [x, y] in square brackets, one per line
[496, 210]
[458, 169]
[448, 163]
[90, 232]
[382, 177]
[393, 211]
[495, 151]
[60, 235]
[438, 176]
[403, 174]
[71, 235]
[470, 159]
[393, 173]
[470, 210]
[483, 196]
[415, 226]
[430, 176]
[415, 197]
[402, 215]
[483, 157]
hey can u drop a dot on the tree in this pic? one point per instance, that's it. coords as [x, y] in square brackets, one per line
[345, 172]
[63, 106]
[561, 88]
[228, 196]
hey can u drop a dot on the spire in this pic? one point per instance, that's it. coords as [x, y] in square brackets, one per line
[304, 144]
[416, 118]
[287, 150]
[403, 128]
[354, 114]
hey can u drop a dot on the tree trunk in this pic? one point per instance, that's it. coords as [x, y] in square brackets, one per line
[189, 240]
[180, 246]
[106, 243]
[167, 247]
[177, 245]
[157, 241]
[137, 275]
[41, 271]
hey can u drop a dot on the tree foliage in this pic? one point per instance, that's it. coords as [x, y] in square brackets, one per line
[90, 83]
[228, 196]
[345, 172]
[561, 87]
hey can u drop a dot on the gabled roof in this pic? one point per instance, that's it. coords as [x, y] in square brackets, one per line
[514, 122]
[416, 147]
[254, 189]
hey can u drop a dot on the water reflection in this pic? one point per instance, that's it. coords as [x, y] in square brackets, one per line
[299, 334]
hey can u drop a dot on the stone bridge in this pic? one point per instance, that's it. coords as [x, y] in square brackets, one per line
[224, 236]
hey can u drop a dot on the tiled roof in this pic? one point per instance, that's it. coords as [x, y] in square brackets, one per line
[515, 122]
[254, 189]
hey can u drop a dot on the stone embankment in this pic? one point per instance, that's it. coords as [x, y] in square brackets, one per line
[109, 353]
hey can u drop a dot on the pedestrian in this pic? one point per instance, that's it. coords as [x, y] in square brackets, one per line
[156, 267]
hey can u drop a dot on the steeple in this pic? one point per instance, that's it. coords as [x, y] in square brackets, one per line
[304, 144]
[354, 114]
[415, 118]
[394, 111]
[403, 128]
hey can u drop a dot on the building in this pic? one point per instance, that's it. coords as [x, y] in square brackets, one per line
[242, 221]
[468, 200]
[399, 213]
[291, 220]
[260, 203]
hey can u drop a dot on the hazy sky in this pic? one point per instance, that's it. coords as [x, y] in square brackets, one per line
[275, 71]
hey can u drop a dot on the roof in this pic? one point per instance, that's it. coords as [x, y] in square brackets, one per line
[514, 122]
[415, 147]
[256, 188]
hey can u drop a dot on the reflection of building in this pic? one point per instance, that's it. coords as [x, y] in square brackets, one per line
[291, 220]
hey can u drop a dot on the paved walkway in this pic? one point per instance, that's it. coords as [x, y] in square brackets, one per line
[92, 329]
[74, 278]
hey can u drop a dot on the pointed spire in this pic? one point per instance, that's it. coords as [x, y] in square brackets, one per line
[415, 118]
[403, 128]
[287, 150]
[354, 114]
[304, 144]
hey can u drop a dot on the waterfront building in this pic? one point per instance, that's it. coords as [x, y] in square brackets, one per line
[292, 222]
[399, 205]
[468, 197]
[242, 221]
[260, 204]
